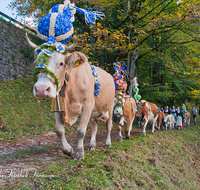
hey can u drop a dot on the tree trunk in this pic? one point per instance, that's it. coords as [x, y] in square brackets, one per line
[134, 59]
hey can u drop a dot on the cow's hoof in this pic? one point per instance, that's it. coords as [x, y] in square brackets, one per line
[143, 134]
[107, 145]
[79, 155]
[120, 139]
[67, 152]
[91, 147]
[127, 137]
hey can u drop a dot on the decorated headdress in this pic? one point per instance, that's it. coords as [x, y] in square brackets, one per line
[56, 29]
[57, 25]
[120, 84]
[119, 75]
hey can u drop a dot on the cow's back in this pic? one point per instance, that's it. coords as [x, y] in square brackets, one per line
[187, 115]
[80, 91]
[106, 96]
[154, 108]
[128, 111]
[161, 116]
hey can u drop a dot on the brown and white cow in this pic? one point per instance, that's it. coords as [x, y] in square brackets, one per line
[149, 113]
[126, 116]
[187, 119]
[169, 121]
[160, 119]
[79, 99]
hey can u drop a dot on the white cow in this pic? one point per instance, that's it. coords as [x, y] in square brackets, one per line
[169, 121]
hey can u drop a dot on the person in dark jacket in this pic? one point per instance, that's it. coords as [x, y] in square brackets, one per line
[166, 111]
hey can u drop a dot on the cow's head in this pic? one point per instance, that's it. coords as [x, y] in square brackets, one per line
[52, 62]
[118, 106]
[165, 119]
[141, 108]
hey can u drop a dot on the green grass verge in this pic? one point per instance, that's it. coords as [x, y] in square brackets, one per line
[22, 114]
[165, 160]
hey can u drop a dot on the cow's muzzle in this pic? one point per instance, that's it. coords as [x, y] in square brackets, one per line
[42, 91]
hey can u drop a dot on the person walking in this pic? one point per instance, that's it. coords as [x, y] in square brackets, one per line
[166, 111]
[179, 123]
[173, 112]
[194, 114]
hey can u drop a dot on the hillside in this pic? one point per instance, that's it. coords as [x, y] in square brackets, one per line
[22, 114]
[165, 160]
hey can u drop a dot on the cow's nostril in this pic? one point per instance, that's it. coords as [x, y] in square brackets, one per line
[36, 89]
[48, 89]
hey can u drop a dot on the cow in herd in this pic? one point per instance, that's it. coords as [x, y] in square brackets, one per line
[169, 121]
[165, 120]
[127, 117]
[160, 120]
[187, 119]
[76, 83]
[149, 113]
[79, 98]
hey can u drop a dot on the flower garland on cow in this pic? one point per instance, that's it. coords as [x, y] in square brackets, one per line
[134, 83]
[120, 74]
[120, 84]
[55, 29]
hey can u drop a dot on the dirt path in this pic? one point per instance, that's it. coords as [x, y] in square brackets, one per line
[35, 152]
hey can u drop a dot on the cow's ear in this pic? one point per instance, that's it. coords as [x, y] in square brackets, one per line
[74, 59]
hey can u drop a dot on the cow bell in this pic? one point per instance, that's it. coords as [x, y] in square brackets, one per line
[57, 104]
[116, 118]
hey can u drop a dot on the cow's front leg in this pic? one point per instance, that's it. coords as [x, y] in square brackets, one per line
[145, 121]
[159, 127]
[120, 137]
[60, 130]
[153, 126]
[81, 130]
[108, 128]
[94, 126]
[129, 128]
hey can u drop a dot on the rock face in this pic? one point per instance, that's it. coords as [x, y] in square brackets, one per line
[16, 57]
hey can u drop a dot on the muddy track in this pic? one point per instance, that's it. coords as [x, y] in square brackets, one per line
[37, 151]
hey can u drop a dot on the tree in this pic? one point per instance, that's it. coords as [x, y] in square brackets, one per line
[161, 38]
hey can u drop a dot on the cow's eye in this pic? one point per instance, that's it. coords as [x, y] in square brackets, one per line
[61, 64]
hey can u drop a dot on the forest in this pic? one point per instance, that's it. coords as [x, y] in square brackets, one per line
[158, 39]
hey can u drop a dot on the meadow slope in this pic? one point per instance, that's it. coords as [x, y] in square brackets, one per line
[30, 150]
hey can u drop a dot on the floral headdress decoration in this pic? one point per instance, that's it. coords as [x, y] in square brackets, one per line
[120, 84]
[57, 26]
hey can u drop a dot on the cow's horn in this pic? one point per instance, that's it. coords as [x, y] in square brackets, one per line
[71, 47]
[30, 43]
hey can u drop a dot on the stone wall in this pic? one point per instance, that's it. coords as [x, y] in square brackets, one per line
[16, 57]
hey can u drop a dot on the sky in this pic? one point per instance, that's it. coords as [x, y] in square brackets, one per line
[5, 10]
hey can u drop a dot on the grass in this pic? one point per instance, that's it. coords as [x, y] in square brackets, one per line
[22, 114]
[165, 160]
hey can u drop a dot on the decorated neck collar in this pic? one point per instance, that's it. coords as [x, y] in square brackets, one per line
[45, 51]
